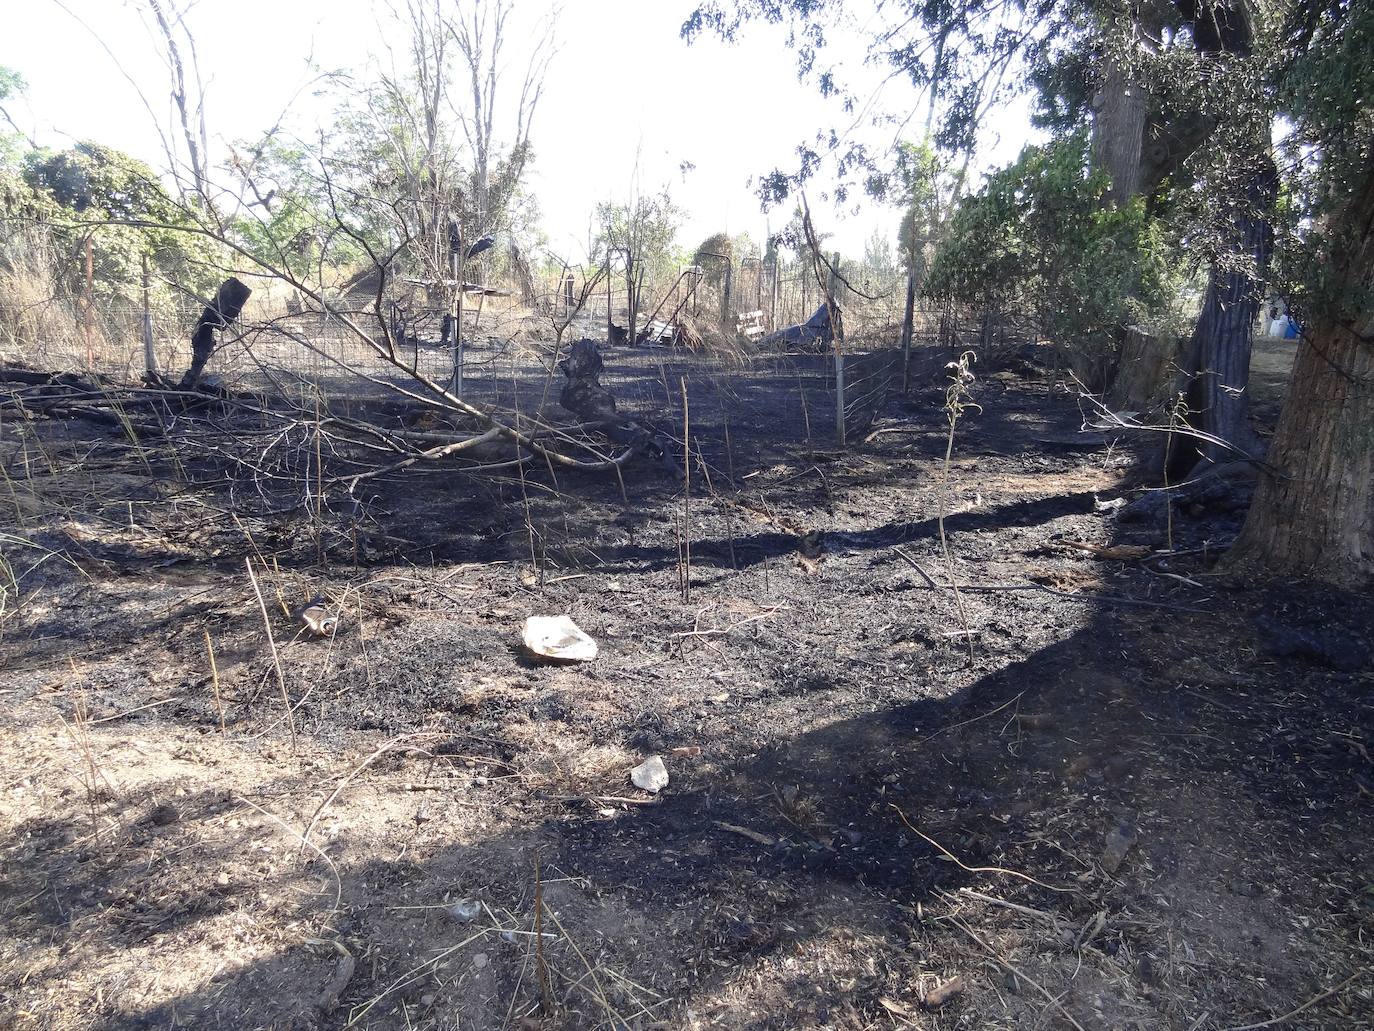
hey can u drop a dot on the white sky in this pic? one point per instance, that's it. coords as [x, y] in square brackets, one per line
[623, 92]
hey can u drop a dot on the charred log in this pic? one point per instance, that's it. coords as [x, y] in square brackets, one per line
[585, 396]
[218, 315]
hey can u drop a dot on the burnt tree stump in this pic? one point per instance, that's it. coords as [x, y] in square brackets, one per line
[584, 394]
[224, 309]
[587, 397]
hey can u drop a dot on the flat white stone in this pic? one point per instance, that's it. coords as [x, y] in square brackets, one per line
[558, 637]
[650, 775]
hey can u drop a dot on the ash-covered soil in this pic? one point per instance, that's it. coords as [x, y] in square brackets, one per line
[1141, 799]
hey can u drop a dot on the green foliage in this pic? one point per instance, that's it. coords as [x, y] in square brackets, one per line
[1325, 85]
[918, 171]
[1038, 239]
[11, 143]
[643, 229]
[712, 255]
[98, 192]
[288, 220]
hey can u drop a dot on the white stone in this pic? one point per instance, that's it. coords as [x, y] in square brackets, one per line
[558, 637]
[650, 775]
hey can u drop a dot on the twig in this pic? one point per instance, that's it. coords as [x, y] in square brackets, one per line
[276, 659]
[997, 958]
[314, 819]
[214, 681]
[916, 566]
[974, 869]
[964, 723]
[545, 995]
[1306, 1005]
[338, 881]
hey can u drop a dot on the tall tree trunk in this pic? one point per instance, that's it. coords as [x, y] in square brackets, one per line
[1122, 105]
[1315, 514]
[1222, 338]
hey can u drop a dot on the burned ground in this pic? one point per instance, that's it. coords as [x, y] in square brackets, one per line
[443, 834]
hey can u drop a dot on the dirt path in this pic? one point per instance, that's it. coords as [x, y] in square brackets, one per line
[857, 813]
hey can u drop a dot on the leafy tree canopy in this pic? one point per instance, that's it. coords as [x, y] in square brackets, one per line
[1038, 239]
[117, 201]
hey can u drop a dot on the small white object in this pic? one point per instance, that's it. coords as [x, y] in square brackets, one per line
[650, 775]
[465, 910]
[558, 637]
[316, 617]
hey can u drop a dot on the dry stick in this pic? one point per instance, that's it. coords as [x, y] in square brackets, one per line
[975, 719]
[686, 496]
[80, 735]
[916, 566]
[338, 881]
[953, 406]
[974, 869]
[997, 958]
[600, 992]
[214, 681]
[319, 488]
[386, 747]
[1306, 1005]
[276, 659]
[545, 994]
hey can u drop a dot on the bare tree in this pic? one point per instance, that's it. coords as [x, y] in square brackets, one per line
[189, 101]
[481, 34]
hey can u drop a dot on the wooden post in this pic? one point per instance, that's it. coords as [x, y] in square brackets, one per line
[907, 320]
[456, 315]
[727, 287]
[773, 301]
[839, 394]
[609, 278]
[90, 305]
[149, 358]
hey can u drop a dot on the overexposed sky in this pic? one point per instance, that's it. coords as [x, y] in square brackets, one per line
[624, 97]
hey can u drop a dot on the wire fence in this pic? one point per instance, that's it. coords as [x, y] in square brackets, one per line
[765, 390]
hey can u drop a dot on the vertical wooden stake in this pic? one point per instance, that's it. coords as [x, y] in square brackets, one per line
[908, 320]
[773, 300]
[839, 396]
[455, 311]
[149, 358]
[90, 305]
[214, 681]
[686, 496]
[276, 659]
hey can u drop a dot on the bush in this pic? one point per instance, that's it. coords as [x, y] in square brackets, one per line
[1040, 241]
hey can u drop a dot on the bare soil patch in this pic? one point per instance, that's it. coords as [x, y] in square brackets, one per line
[444, 834]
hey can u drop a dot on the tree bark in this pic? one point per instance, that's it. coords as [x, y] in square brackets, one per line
[1314, 515]
[1119, 132]
[218, 314]
[1219, 397]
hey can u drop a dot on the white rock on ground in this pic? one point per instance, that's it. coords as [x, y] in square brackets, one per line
[559, 638]
[650, 775]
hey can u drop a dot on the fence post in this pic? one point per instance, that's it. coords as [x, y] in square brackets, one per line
[773, 301]
[456, 312]
[907, 327]
[89, 321]
[839, 395]
[725, 292]
[149, 358]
